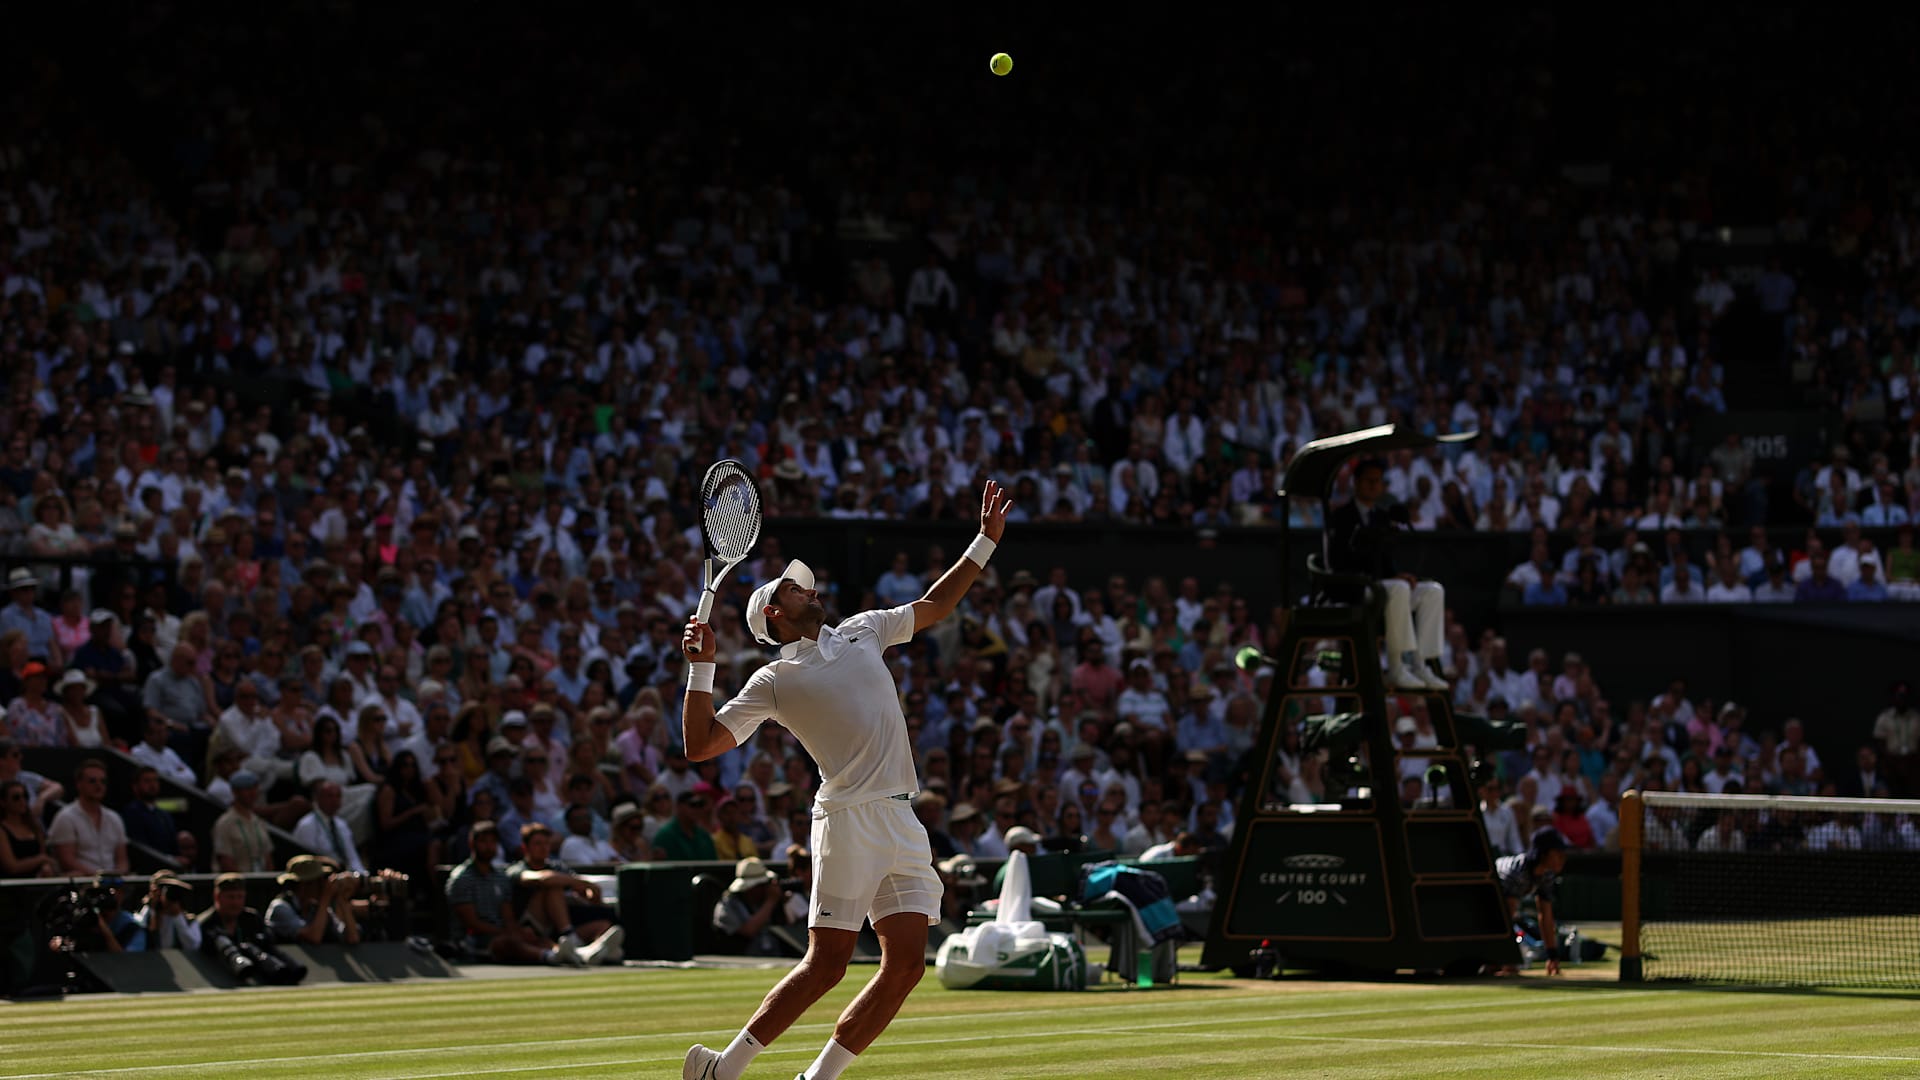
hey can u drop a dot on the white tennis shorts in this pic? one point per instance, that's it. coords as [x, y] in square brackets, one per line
[871, 861]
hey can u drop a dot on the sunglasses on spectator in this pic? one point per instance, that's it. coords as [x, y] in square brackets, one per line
[536, 761]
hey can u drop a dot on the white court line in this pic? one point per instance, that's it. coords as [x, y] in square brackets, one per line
[937, 1018]
[1801, 1055]
[1139, 1029]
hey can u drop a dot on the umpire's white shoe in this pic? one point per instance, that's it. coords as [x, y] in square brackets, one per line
[702, 1064]
[1403, 678]
[1434, 680]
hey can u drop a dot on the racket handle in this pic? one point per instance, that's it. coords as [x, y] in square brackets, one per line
[701, 611]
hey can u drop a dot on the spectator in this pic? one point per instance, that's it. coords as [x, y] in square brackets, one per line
[241, 842]
[560, 905]
[249, 727]
[1896, 736]
[178, 695]
[146, 823]
[1819, 587]
[162, 758]
[629, 840]
[22, 615]
[580, 847]
[484, 921]
[87, 837]
[1867, 588]
[33, 717]
[325, 832]
[683, 839]
[24, 853]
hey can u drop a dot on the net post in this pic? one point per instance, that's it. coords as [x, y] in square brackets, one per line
[1632, 824]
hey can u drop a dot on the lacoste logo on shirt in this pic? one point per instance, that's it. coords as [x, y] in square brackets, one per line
[826, 914]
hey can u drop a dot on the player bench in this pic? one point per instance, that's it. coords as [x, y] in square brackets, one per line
[1055, 876]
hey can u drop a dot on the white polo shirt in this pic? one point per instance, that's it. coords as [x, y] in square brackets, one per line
[837, 697]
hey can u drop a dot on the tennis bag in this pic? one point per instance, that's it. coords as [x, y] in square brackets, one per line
[1011, 956]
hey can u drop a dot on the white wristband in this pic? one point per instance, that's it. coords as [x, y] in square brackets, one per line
[700, 678]
[980, 550]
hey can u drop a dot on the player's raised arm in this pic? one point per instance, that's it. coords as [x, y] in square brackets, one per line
[701, 735]
[945, 594]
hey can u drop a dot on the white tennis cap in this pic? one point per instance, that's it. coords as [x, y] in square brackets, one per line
[798, 573]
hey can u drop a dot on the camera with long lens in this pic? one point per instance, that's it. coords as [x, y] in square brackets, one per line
[380, 886]
[73, 915]
[245, 961]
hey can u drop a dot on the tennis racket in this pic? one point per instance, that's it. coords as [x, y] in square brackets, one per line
[730, 521]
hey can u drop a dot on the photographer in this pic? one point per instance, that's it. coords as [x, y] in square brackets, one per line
[165, 917]
[317, 906]
[91, 919]
[798, 885]
[236, 935]
[751, 906]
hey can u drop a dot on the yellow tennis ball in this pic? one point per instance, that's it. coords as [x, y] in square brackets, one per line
[1002, 63]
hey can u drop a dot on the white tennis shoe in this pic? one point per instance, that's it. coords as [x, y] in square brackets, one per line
[605, 948]
[702, 1064]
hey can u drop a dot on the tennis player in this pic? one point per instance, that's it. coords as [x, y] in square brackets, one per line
[871, 859]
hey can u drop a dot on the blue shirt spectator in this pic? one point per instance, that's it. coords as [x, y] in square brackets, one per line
[1541, 593]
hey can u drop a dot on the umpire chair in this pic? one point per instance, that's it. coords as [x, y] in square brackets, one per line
[1380, 877]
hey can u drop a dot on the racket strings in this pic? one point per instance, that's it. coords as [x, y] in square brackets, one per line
[733, 516]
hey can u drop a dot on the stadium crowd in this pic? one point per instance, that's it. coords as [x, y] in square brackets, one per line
[385, 466]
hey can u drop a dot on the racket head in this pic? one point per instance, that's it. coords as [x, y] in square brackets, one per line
[729, 512]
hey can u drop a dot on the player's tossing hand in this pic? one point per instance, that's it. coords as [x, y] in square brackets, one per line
[698, 642]
[994, 504]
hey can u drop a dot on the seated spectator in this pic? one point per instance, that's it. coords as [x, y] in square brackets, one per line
[1728, 588]
[325, 832]
[581, 848]
[683, 839]
[315, 905]
[1867, 588]
[1570, 818]
[1183, 845]
[23, 842]
[153, 752]
[178, 695]
[41, 791]
[21, 614]
[87, 837]
[241, 842]
[751, 905]
[1683, 589]
[561, 905]
[485, 923]
[1819, 587]
[146, 823]
[730, 841]
[33, 718]
[248, 725]
[629, 840]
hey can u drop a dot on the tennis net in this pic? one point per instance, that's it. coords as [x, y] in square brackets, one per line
[1770, 889]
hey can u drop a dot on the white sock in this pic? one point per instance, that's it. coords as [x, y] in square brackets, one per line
[830, 1064]
[734, 1059]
